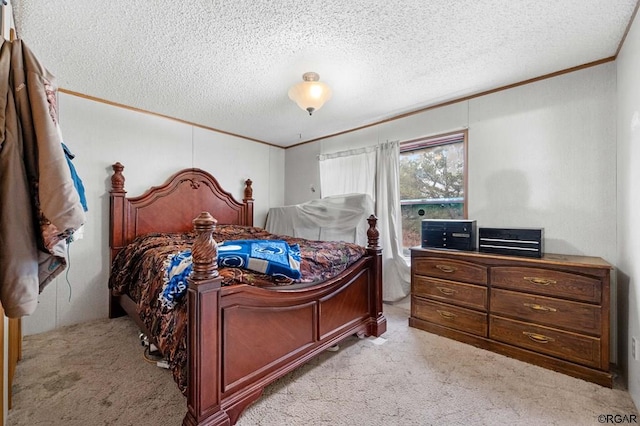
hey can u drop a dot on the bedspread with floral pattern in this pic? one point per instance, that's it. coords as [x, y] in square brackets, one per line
[138, 271]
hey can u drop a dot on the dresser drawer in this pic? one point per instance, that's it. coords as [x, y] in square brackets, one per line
[449, 316]
[467, 295]
[562, 344]
[547, 282]
[559, 313]
[449, 269]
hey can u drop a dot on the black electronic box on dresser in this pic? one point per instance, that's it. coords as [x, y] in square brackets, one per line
[551, 311]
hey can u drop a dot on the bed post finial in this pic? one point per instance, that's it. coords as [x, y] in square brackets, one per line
[117, 180]
[205, 248]
[372, 233]
[248, 190]
[248, 203]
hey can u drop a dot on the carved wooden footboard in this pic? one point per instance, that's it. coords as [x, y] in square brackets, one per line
[242, 338]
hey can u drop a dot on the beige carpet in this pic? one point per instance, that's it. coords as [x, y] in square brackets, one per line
[94, 374]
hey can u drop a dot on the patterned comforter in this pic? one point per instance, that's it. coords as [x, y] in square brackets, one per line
[139, 272]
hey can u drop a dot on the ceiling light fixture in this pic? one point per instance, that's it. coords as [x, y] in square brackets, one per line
[310, 94]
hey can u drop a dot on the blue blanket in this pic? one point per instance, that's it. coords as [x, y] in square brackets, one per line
[177, 268]
[270, 257]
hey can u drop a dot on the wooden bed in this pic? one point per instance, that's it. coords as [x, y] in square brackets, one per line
[225, 374]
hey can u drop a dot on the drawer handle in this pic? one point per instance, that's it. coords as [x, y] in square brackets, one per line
[538, 338]
[537, 307]
[446, 268]
[446, 291]
[447, 315]
[540, 281]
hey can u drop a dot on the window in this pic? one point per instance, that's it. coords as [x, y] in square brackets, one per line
[433, 182]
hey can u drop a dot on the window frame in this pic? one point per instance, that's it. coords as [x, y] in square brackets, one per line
[445, 139]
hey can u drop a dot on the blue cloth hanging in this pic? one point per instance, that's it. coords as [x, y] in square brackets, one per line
[77, 182]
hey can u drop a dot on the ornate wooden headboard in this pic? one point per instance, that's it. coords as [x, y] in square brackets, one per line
[172, 206]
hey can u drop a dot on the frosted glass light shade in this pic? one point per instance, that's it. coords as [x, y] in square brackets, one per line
[310, 94]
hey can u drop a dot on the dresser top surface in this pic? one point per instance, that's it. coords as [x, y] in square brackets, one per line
[547, 258]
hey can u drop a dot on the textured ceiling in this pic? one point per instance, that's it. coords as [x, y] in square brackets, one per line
[229, 64]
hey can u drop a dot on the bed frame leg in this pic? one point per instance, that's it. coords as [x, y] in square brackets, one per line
[115, 310]
[378, 325]
[203, 391]
[219, 419]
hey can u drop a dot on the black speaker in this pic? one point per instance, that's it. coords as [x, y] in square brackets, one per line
[450, 234]
[528, 242]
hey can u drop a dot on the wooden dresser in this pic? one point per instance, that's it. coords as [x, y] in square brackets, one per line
[553, 312]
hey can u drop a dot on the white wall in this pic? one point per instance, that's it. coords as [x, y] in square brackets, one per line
[543, 155]
[628, 265]
[302, 174]
[151, 148]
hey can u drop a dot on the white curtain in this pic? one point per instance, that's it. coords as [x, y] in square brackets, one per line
[374, 169]
[396, 272]
[348, 172]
